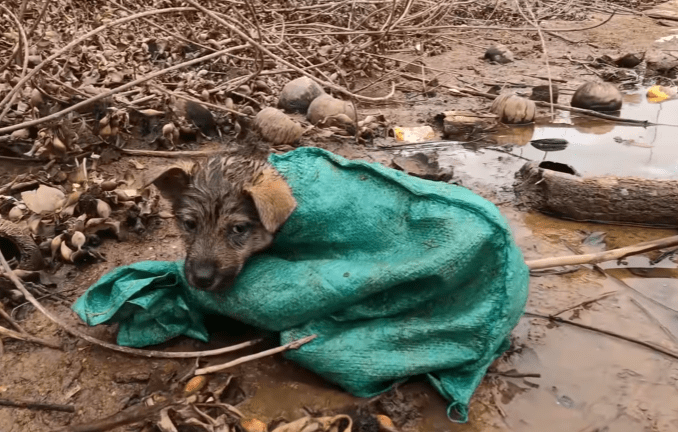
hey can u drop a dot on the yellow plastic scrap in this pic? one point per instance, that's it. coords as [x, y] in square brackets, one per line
[657, 94]
[414, 134]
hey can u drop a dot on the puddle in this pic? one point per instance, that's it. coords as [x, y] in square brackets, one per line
[597, 147]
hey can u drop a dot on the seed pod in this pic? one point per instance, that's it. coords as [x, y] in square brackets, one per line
[78, 239]
[72, 198]
[59, 145]
[122, 195]
[103, 209]
[15, 214]
[108, 185]
[20, 134]
[36, 98]
[56, 244]
[66, 252]
[195, 384]
[68, 211]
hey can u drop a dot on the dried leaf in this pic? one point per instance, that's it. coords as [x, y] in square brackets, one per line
[45, 199]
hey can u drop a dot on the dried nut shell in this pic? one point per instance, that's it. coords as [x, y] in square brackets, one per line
[298, 94]
[499, 53]
[275, 126]
[108, 185]
[72, 198]
[103, 209]
[513, 109]
[79, 224]
[168, 130]
[56, 244]
[597, 97]
[78, 239]
[36, 98]
[20, 134]
[325, 106]
[59, 145]
[15, 214]
[253, 425]
[66, 252]
[122, 195]
[106, 131]
[195, 384]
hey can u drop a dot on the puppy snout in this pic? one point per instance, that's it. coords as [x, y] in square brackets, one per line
[204, 274]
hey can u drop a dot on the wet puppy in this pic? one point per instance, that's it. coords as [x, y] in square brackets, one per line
[228, 208]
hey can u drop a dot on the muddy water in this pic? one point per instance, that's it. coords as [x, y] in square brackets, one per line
[598, 147]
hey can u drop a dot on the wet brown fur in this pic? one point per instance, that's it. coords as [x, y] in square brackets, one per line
[228, 209]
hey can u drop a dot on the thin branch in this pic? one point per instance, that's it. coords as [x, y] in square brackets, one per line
[290, 346]
[37, 21]
[10, 320]
[654, 319]
[132, 351]
[24, 43]
[543, 45]
[599, 257]
[282, 60]
[513, 374]
[118, 90]
[128, 416]
[37, 405]
[584, 303]
[82, 38]
[171, 154]
[4, 332]
[649, 345]
[461, 27]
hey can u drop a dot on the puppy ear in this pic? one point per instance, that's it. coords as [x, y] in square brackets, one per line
[172, 181]
[273, 199]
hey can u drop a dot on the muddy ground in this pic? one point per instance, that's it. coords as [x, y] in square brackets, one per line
[588, 381]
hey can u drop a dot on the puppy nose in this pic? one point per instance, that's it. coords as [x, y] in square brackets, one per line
[204, 274]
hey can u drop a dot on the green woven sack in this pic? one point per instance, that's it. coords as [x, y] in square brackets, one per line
[398, 277]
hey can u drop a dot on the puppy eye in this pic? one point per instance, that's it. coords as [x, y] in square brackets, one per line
[190, 224]
[240, 228]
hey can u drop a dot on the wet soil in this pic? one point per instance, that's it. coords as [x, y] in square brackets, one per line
[588, 381]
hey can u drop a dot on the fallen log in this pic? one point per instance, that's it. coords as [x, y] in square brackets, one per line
[556, 189]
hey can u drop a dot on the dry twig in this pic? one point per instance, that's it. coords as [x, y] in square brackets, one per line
[282, 60]
[649, 345]
[599, 257]
[536, 25]
[132, 351]
[37, 405]
[24, 44]
[118, 89]
[4, 332]
[292, 345]
[75, 42]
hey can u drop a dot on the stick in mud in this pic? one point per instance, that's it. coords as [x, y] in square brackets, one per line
[599, 257]
[36, 405]
[8, 272]
[292, 345]
[605, 332]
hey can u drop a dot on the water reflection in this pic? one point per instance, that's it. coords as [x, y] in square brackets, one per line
[598, 147]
